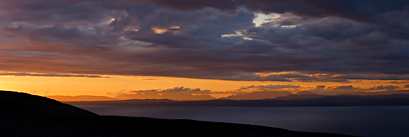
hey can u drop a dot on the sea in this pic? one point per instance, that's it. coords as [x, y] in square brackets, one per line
[373, 121]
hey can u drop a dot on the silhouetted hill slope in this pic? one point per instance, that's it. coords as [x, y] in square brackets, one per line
[53, 119]
[293, 100]
[22, 104]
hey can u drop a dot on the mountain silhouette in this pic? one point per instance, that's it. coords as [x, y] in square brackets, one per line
[293, 100]
[258, 95]
[300, 95]
[50, 118]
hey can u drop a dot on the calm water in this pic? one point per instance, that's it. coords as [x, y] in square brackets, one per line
[383, 121]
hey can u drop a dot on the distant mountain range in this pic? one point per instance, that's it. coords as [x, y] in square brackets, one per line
[25, 115]
[296, 100]
[258, 95]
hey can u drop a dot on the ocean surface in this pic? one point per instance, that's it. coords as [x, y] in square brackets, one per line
[378, 121]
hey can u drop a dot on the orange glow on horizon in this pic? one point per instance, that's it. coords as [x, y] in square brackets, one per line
[73, 86]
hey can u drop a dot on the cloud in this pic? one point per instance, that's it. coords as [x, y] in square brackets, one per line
[352, 90]
[345, 40]
[50, 75]
[320, 86]
[176, 93]
[388, 88]
[177, 90]
[342, 87]
[266, 87]
[254, 92]
[399, 82]
[377, 12]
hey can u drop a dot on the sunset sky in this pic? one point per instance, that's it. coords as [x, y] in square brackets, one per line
[195, 48]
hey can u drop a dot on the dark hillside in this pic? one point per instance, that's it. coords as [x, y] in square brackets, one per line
[25, 115]
[17, 104]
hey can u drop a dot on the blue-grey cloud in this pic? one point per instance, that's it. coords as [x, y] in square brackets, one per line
[345, 40]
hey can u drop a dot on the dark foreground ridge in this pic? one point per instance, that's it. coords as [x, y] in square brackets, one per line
[29, 115]
[16, 104]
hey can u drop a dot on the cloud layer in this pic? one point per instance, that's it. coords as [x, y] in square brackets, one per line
[309, 41]
[48, 75]
[176, 93]
[256, 92]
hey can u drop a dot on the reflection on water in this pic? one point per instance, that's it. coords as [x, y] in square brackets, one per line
[392, 121]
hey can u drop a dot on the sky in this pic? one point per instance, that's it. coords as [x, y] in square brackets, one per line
[203, 49]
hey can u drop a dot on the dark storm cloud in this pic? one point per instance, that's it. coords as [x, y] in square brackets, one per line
[389, 14]
[60, 34]
[323, 41]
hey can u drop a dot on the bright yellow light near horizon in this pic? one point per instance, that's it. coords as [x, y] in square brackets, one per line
[113, 84]
[101, 86]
